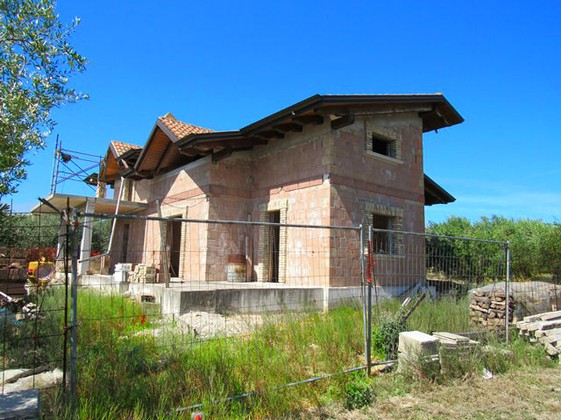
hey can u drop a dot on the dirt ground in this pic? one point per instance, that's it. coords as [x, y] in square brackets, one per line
[527, 394]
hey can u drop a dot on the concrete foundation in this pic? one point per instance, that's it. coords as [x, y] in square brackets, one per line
[236, 297]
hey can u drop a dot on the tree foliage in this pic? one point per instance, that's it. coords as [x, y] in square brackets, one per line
[33, 234]
[535, 246]
[36, 62]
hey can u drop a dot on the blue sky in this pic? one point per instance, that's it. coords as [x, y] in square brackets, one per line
[223, 65]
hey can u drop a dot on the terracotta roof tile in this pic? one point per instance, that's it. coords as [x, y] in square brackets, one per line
[181, 129]
[120, 147]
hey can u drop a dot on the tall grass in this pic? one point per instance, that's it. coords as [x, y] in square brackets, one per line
[129, 369]
[126, 369]
[442, 314]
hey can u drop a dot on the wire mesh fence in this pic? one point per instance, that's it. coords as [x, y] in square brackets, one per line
[438, 279]
[212, 311]
[32, 317]
[229, 307]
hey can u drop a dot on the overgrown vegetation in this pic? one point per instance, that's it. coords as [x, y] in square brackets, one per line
[133, 371]
[131, 367]
[33, 338]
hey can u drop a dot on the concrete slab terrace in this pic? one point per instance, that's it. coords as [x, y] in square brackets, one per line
[228, 297]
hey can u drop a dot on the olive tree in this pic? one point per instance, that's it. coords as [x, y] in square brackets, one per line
[36, 62]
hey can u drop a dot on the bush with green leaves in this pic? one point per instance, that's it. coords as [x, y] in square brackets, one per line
[534, 245]
[385, 336]
[359, 391]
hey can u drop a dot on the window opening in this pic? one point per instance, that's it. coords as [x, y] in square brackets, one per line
[383, 146]
[382, 239]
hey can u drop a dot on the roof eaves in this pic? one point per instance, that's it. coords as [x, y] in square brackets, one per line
[315, 102]
[292, 110]
[167, 131]
[195, 138]
[438, 191]
[146, 146]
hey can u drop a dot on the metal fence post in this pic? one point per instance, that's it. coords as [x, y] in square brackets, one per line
[507, 292]
[364, 300]
[74, 320]
[369, 309]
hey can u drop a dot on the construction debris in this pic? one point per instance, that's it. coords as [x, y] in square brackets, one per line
[544, 328]
[417, 349]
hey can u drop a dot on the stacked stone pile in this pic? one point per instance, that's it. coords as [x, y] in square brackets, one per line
[544, 328]
[143, 274]
[488, 309]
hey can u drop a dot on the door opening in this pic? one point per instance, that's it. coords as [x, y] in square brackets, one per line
[274, 246]
[174, 243]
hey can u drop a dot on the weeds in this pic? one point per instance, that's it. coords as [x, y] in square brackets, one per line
[127, 370]
[359, 391]
[385, 336]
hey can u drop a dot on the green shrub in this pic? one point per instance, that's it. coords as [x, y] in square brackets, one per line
[385, 336]
[359, 391]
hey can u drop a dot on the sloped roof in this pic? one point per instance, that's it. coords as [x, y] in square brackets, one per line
[172, 142]
[114, 164]
[435, 194]
[160, 153]
[119, 148]
[180, 129]
[434, 110]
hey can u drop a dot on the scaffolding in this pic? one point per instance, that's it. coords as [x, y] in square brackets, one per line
[70, 165]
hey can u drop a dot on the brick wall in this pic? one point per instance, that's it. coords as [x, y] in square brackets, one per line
[320, 176]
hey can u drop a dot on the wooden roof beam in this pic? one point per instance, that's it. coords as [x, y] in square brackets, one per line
[342, 121]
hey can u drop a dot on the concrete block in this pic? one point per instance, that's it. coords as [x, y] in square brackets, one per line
[418, 342]
[20, 405]
[418, 351]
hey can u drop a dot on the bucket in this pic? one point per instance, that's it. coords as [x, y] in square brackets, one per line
[236, 268]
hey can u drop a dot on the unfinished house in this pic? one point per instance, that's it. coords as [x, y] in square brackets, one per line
[331, 160]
